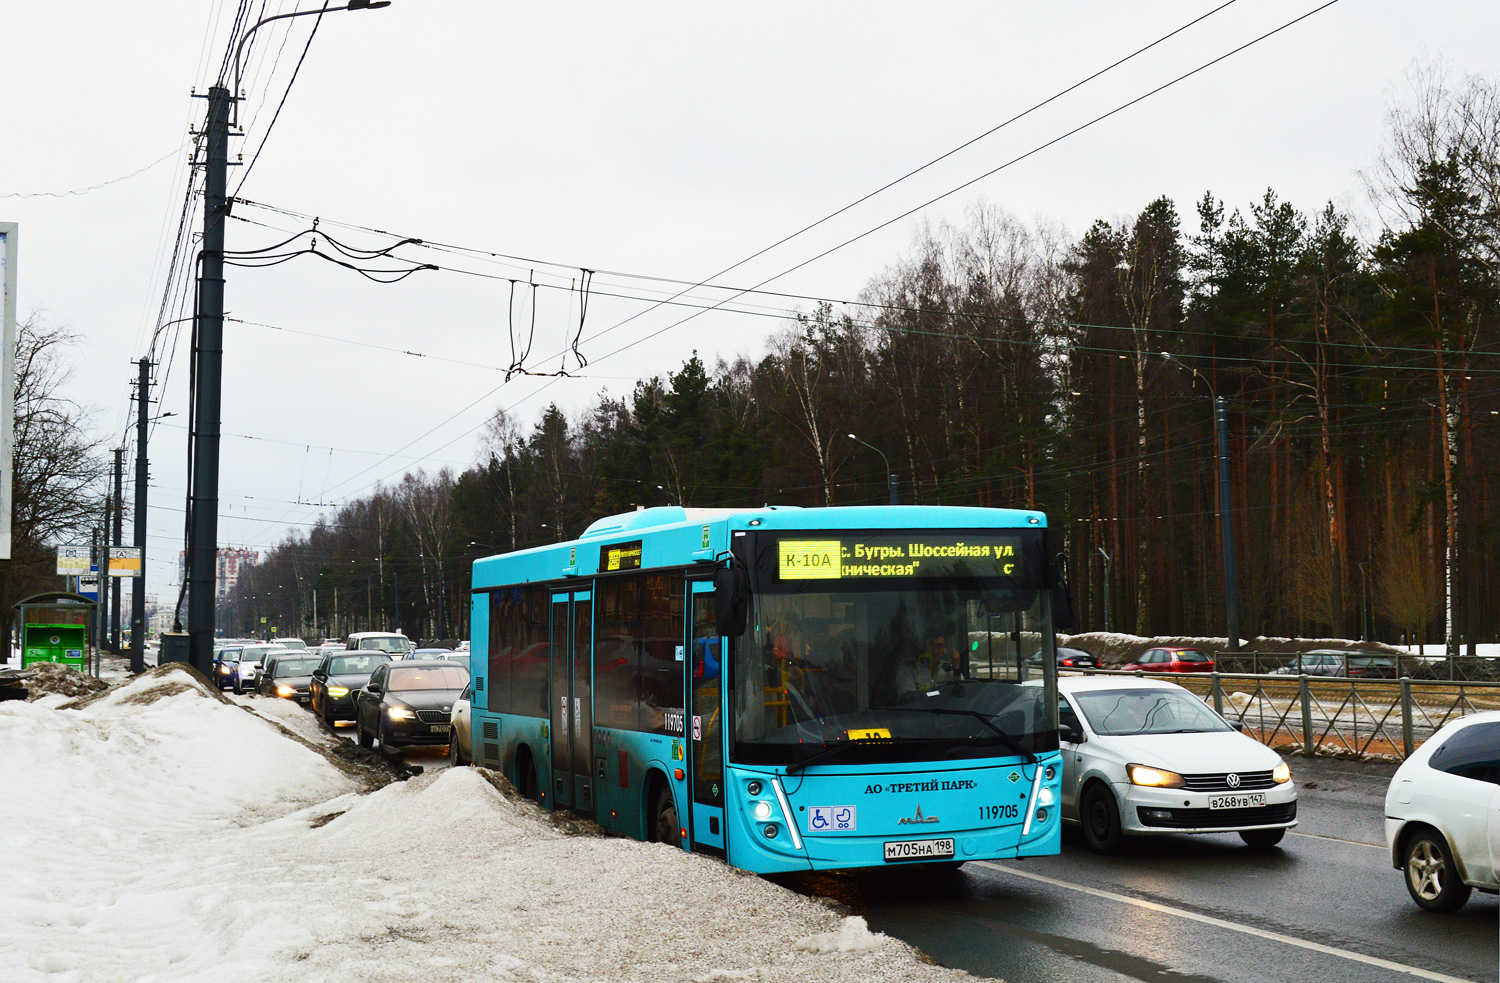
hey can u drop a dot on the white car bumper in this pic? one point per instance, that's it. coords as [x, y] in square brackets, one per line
[1145, 811]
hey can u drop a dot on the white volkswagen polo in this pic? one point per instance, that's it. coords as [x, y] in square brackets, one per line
[1442, 814]
[1146, 757]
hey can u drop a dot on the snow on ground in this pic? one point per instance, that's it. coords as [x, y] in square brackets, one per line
[159, 834]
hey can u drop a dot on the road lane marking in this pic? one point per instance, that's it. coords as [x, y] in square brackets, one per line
[1339, 839]
[1261, 933]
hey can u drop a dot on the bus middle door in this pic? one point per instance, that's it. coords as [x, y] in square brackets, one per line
[572, 706]
[706, 723]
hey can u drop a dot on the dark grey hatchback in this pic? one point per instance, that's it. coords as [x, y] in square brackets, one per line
[337, 681]
[409, 702]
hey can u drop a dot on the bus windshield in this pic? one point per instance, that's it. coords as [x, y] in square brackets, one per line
[930, 671]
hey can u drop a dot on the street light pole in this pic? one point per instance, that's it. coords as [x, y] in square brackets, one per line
[208, 350]
[890, 476]
[1226, 517]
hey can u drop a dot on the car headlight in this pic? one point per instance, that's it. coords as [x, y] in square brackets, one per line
[338, 691]
[1153, 777]
[399, 713]
[1281, 773]
[285, 691]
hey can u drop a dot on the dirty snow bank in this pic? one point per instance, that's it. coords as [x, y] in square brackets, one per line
[160, 834]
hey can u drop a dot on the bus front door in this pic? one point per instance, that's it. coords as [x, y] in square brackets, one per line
[572, 661]
[706, 724]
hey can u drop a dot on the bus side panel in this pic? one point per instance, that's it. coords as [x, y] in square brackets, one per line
[624, 759]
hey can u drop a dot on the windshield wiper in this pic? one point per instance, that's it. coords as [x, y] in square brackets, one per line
[983, 718]
[834, 749]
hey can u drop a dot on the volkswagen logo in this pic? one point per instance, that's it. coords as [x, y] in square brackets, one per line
[1232, 780]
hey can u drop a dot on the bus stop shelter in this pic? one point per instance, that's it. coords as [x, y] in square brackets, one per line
[58, 626]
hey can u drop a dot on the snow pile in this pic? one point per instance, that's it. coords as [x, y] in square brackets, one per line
[853, 936]
[50, 678]
[162, 833]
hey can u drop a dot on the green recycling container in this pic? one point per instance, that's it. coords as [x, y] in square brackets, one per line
[54, 643]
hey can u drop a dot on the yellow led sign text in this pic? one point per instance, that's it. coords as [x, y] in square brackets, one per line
[834, 559]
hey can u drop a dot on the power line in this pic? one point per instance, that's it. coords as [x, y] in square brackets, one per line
[95, 187]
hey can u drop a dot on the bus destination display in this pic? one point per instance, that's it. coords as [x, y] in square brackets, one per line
[899, 556]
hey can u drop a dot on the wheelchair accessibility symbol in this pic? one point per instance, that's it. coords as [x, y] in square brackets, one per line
[838, 819]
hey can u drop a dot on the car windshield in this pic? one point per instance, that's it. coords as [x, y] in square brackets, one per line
[462, 660]
[937, 668]
[295, 667]
[431, 677]
[349, 665]
[1127, 712]
[253, 655]
[393, 644]
[1190, 655]
[293, 643]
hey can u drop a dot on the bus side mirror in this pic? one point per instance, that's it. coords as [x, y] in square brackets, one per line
[731, 601]
[1062, 597]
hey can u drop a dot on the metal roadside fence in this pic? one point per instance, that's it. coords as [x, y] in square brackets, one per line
[1351, 717]
[1366, 664]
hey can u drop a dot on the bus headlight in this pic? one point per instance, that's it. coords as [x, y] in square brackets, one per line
[772, 830]
[762, 810]
[1043, 798]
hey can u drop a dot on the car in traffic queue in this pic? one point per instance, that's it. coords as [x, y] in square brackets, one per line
[337, 680]
[1442, 814]
[428, 653]
[1146, 757]
[225, 657]
[460, 737]
[288, 675]
[1067, 658]
[1173, 658]
[292, 643]
[408, 703]
[246, 674]
[392, 643]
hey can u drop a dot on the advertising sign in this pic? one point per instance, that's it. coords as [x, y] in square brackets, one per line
[73, 561]
[124, 561]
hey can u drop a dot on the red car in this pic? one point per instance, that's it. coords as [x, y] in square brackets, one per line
[1172, 659]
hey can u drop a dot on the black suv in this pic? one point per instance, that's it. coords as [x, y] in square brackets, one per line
[338, 679]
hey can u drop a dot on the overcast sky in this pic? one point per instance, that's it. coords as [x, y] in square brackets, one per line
[665, 140]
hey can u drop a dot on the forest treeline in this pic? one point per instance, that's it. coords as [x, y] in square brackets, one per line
[1005, 363]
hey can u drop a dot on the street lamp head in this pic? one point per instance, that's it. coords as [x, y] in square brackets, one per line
[851, 436]
[368, 4]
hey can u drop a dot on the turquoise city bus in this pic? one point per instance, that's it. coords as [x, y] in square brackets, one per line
[784, 688]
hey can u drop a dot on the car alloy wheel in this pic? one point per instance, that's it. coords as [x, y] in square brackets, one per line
[1430, 877]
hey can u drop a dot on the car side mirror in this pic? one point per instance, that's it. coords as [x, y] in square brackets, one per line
[1238, 725]
[1070, 733]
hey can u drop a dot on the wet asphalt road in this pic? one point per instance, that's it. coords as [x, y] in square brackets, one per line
[1326, 906]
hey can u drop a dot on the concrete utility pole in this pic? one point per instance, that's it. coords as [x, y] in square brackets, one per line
[114, 586]
[208, 380]
[138, 585]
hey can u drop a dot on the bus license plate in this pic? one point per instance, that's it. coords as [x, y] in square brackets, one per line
[918, 849]
[1247, 801]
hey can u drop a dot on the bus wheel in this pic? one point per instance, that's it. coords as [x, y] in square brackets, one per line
[665, 829]
[526, 778]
